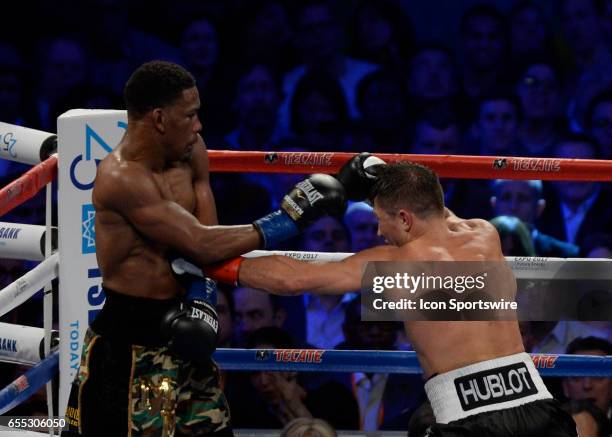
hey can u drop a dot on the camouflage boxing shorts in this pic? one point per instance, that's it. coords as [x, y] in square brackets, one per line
[127, 389]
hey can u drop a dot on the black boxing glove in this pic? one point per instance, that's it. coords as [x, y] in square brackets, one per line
[358, 175]
[191, 328]
[315, 196]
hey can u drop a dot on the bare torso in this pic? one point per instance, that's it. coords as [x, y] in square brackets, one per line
[130, 262]
[446, 345]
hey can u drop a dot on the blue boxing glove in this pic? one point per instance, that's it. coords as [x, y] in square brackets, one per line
[310, 199]
[191, 329]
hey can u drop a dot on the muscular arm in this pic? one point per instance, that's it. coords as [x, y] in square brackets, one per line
[130, 190]
[206, 211]
[287, 276]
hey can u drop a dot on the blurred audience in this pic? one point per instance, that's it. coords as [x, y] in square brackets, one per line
[306, 427]
[590, 421]
[524, 200]
[362, 225]
[597, 390]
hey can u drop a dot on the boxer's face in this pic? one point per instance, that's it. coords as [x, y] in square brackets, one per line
[181, 124]
[389, 225]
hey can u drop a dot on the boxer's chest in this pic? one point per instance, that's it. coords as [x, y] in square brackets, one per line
[176, 184]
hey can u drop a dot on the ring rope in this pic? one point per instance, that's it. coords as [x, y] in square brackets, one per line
[523, 267]
[26, 145]
[21, 344]
[25, 287]
[25, 242]
[29, 383]
[27, 185]
[446, 166]
[319, 360]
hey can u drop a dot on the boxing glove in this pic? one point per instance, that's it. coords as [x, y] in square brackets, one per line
[191, 328]
[315, 196]
[358, 175]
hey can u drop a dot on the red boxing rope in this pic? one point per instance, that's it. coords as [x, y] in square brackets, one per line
[26, 186]
[446, 166]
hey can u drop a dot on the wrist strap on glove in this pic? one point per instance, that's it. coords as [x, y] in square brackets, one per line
[275, 228]
[224, 271]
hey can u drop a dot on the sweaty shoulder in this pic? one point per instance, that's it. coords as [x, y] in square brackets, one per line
[479, 225]
[199, 157]
[121, 183]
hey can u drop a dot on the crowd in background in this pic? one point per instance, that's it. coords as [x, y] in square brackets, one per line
[530, 78]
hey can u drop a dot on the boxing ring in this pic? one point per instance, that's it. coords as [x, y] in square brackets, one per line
[84, 138]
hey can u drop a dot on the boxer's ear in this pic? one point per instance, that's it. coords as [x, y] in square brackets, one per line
[158, 118]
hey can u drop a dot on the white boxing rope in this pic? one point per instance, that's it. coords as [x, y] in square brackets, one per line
[25, 287]
[25, 242]
[22, 344]
[523, 267]
[22, 144]
[301, 255]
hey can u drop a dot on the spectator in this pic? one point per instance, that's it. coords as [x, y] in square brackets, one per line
[590, 421]
[318, 37]
[554, 337]
[201, 50]
[383, 102]
[325, 314]
[268, 35]
[604, 11]
[421, 420]
[439, 133]
[118, 47]
[524, 199]
[386, 401]
[226, 314]
[582, 32]
[272, 399]
[433, 81]
[256, 309]
[382, 34]
[306, 427]
[65, 67]
[597, 246]
[514, 235]
[496, 125]
[256, 104]
[318, 112]
[578, 208]
[597, 390]
[539, 91]
[484, 43]
[598, 122]
[363, 226]
[13, 99]
[529, 33]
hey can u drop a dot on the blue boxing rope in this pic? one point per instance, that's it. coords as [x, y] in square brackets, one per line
[318, 360]
[315, 360]
[29, 383]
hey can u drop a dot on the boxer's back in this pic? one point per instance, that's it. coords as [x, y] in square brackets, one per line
[131, 263]
[447, 345]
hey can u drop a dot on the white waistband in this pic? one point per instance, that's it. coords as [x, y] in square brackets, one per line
[491, 385]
